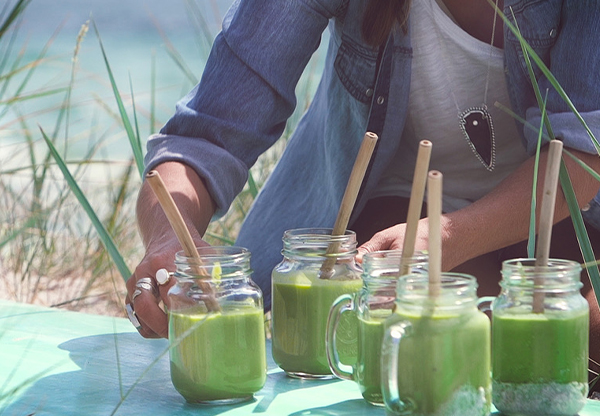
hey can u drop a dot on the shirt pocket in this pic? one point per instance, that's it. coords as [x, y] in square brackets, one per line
[355, 66]
[539, 24]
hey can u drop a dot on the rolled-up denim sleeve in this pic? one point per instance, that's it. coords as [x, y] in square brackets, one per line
[246, 93]
[575, 63]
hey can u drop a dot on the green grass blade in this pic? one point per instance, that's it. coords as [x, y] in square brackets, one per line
[27, 383]
[252, 185]
[226, 241]
[16, 232]
[200, 27]
[119, 201]
[102, 233]
[176, 56]
[548, 74]
[67, 101]
[580, 231]
[118, 359]
[566, 184]
[583, 165]
[31, 96]
[172, 344]
[30, 67]
[532, 222]
[14, 13]
[565, 151]
[133, 140]
[534, 83]
[138, 141]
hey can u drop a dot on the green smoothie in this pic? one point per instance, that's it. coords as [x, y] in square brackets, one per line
[300, 306]
[224, 358]
[368, 366]
[444, 363]
[540, 362]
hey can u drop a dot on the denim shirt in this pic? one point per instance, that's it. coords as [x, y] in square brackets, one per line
[247, 92]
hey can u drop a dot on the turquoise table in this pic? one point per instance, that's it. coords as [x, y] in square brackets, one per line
[55, 362]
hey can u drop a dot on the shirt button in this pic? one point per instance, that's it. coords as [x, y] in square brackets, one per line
[586, 208]
[369, 92]
[380, 99]
[553, 33]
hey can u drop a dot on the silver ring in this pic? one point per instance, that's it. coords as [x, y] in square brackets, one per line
[145, 280]
[135, 294]
[132, 316]
[144, 285]
[147, 283]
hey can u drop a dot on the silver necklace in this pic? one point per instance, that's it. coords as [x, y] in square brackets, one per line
[476, 122]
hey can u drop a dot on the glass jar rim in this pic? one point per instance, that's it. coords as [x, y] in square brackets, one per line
[448, 280]
[214, 252]
[557, 275]
[384, 265]
[316, 243]
[456, 289]
[392, 254]
[232, 262]
[317, 234]
[528, 264]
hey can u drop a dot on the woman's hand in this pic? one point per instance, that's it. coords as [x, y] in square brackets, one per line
[145, 292]
[499, 219]
[393, 239]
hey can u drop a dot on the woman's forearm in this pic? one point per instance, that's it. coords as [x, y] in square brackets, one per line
[190, 196]
[501, 218]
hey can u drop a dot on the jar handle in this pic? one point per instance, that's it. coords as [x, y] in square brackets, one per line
[344, 303]
[389, 367]
[484, 304]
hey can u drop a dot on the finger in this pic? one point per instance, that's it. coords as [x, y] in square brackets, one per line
[388, 239]
[361, 252]
[379, 241]
[165, 281]
[150, 315]
[135, 320]
[147, 333]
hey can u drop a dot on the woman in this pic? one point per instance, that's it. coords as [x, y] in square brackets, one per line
[433, 73]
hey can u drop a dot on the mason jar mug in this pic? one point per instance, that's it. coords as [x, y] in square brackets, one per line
[435, 358]
[316, 269]
[216, 327]
[540, 333]
[372, 305]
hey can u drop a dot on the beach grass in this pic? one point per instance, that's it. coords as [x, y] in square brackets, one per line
[68, 235]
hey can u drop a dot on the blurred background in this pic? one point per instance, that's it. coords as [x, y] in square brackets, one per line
[55, 82]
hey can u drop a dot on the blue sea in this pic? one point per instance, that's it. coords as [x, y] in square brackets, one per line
[134, 33]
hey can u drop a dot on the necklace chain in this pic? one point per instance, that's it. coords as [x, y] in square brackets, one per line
[476, 122]
[488, 66]
[487, 77]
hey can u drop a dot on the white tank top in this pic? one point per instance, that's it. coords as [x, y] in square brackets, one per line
[445, 82]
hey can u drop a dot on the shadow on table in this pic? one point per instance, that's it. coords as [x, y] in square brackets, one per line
[279, 383]
[356, 407]
[111, 364]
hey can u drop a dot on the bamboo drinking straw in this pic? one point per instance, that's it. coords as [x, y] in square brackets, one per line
[434, 214]
[183, 234]
[542, 252]
[415, 204]
[354, 182]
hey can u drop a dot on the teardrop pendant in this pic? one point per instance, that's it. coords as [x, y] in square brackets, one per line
[476, 124]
